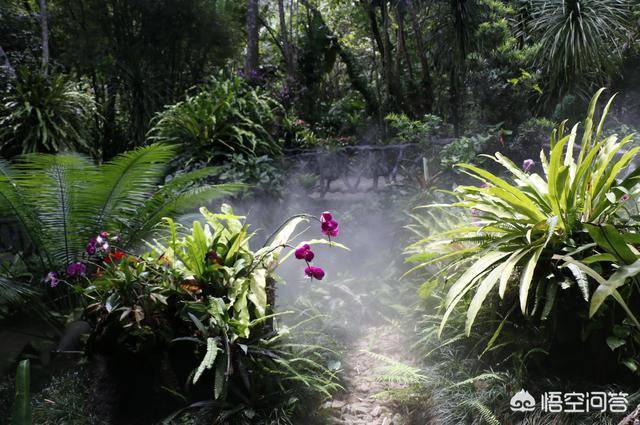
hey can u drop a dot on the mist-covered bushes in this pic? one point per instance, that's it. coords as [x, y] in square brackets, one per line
[195, 316]
[407, 130]
[530, 138]
[262, 173]
[559, 248]
[465, 149]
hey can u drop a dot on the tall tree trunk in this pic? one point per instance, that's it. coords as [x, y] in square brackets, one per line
[402, 45]
[426, 82]
[286, 45]
[400, 55]
[253, 32]
[373, 23]
[412, 104]
[358, 82]
[460, 10]
[44, 24]
[390, 79]
[454, 99]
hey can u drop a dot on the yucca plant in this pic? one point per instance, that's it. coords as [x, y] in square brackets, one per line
[524, 225]
[579, 39]
[60, 201]
[45, 114]
[226, 116]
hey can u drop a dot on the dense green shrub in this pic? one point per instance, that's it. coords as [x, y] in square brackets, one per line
[45, 114]
[465, 149]
[226, 116]
[203, 299]
[60, 201]
[559, 248]
[408, 130]
[530, 138]
[262, 173]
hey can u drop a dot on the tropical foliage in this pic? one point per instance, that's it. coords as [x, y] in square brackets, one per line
[579, 39]
[541, 236]
[59, 202]
[119, 118]
[263, 174]
[227, 116]
[202, 294]
[45, 114]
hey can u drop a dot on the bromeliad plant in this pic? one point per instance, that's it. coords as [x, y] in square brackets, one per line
[205, 299]
[541, 235]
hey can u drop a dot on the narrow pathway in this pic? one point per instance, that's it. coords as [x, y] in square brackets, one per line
[360, 403]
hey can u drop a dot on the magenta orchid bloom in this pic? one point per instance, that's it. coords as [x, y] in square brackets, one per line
[314, 272]
[52, 279]
[98, 242]
[624, 198]
[329, 226]
[304, 253]
[91, 246]
[76, 269]
[527, 164]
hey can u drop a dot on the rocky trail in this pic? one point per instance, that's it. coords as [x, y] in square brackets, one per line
[362, 403]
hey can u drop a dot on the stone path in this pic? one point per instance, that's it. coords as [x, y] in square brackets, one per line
[359, 404]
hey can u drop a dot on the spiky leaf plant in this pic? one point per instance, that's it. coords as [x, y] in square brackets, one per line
[45, 114]
[225, 117]
[523, 220]
[579, 39]
[60, 201]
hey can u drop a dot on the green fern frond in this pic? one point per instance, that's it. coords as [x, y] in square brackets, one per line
[60, 201]
[12, 290]
[50, 185]
[167, 203]
[485, 413]
[126, 182]
[397, 372]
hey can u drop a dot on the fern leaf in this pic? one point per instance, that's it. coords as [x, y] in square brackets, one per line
[123, 185]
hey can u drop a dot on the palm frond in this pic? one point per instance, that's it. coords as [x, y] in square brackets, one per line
[123, 185]
[51, 184]
[15, 208]
[171, 201]
[12, 290]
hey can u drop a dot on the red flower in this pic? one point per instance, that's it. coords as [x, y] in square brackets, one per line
[114, 257]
